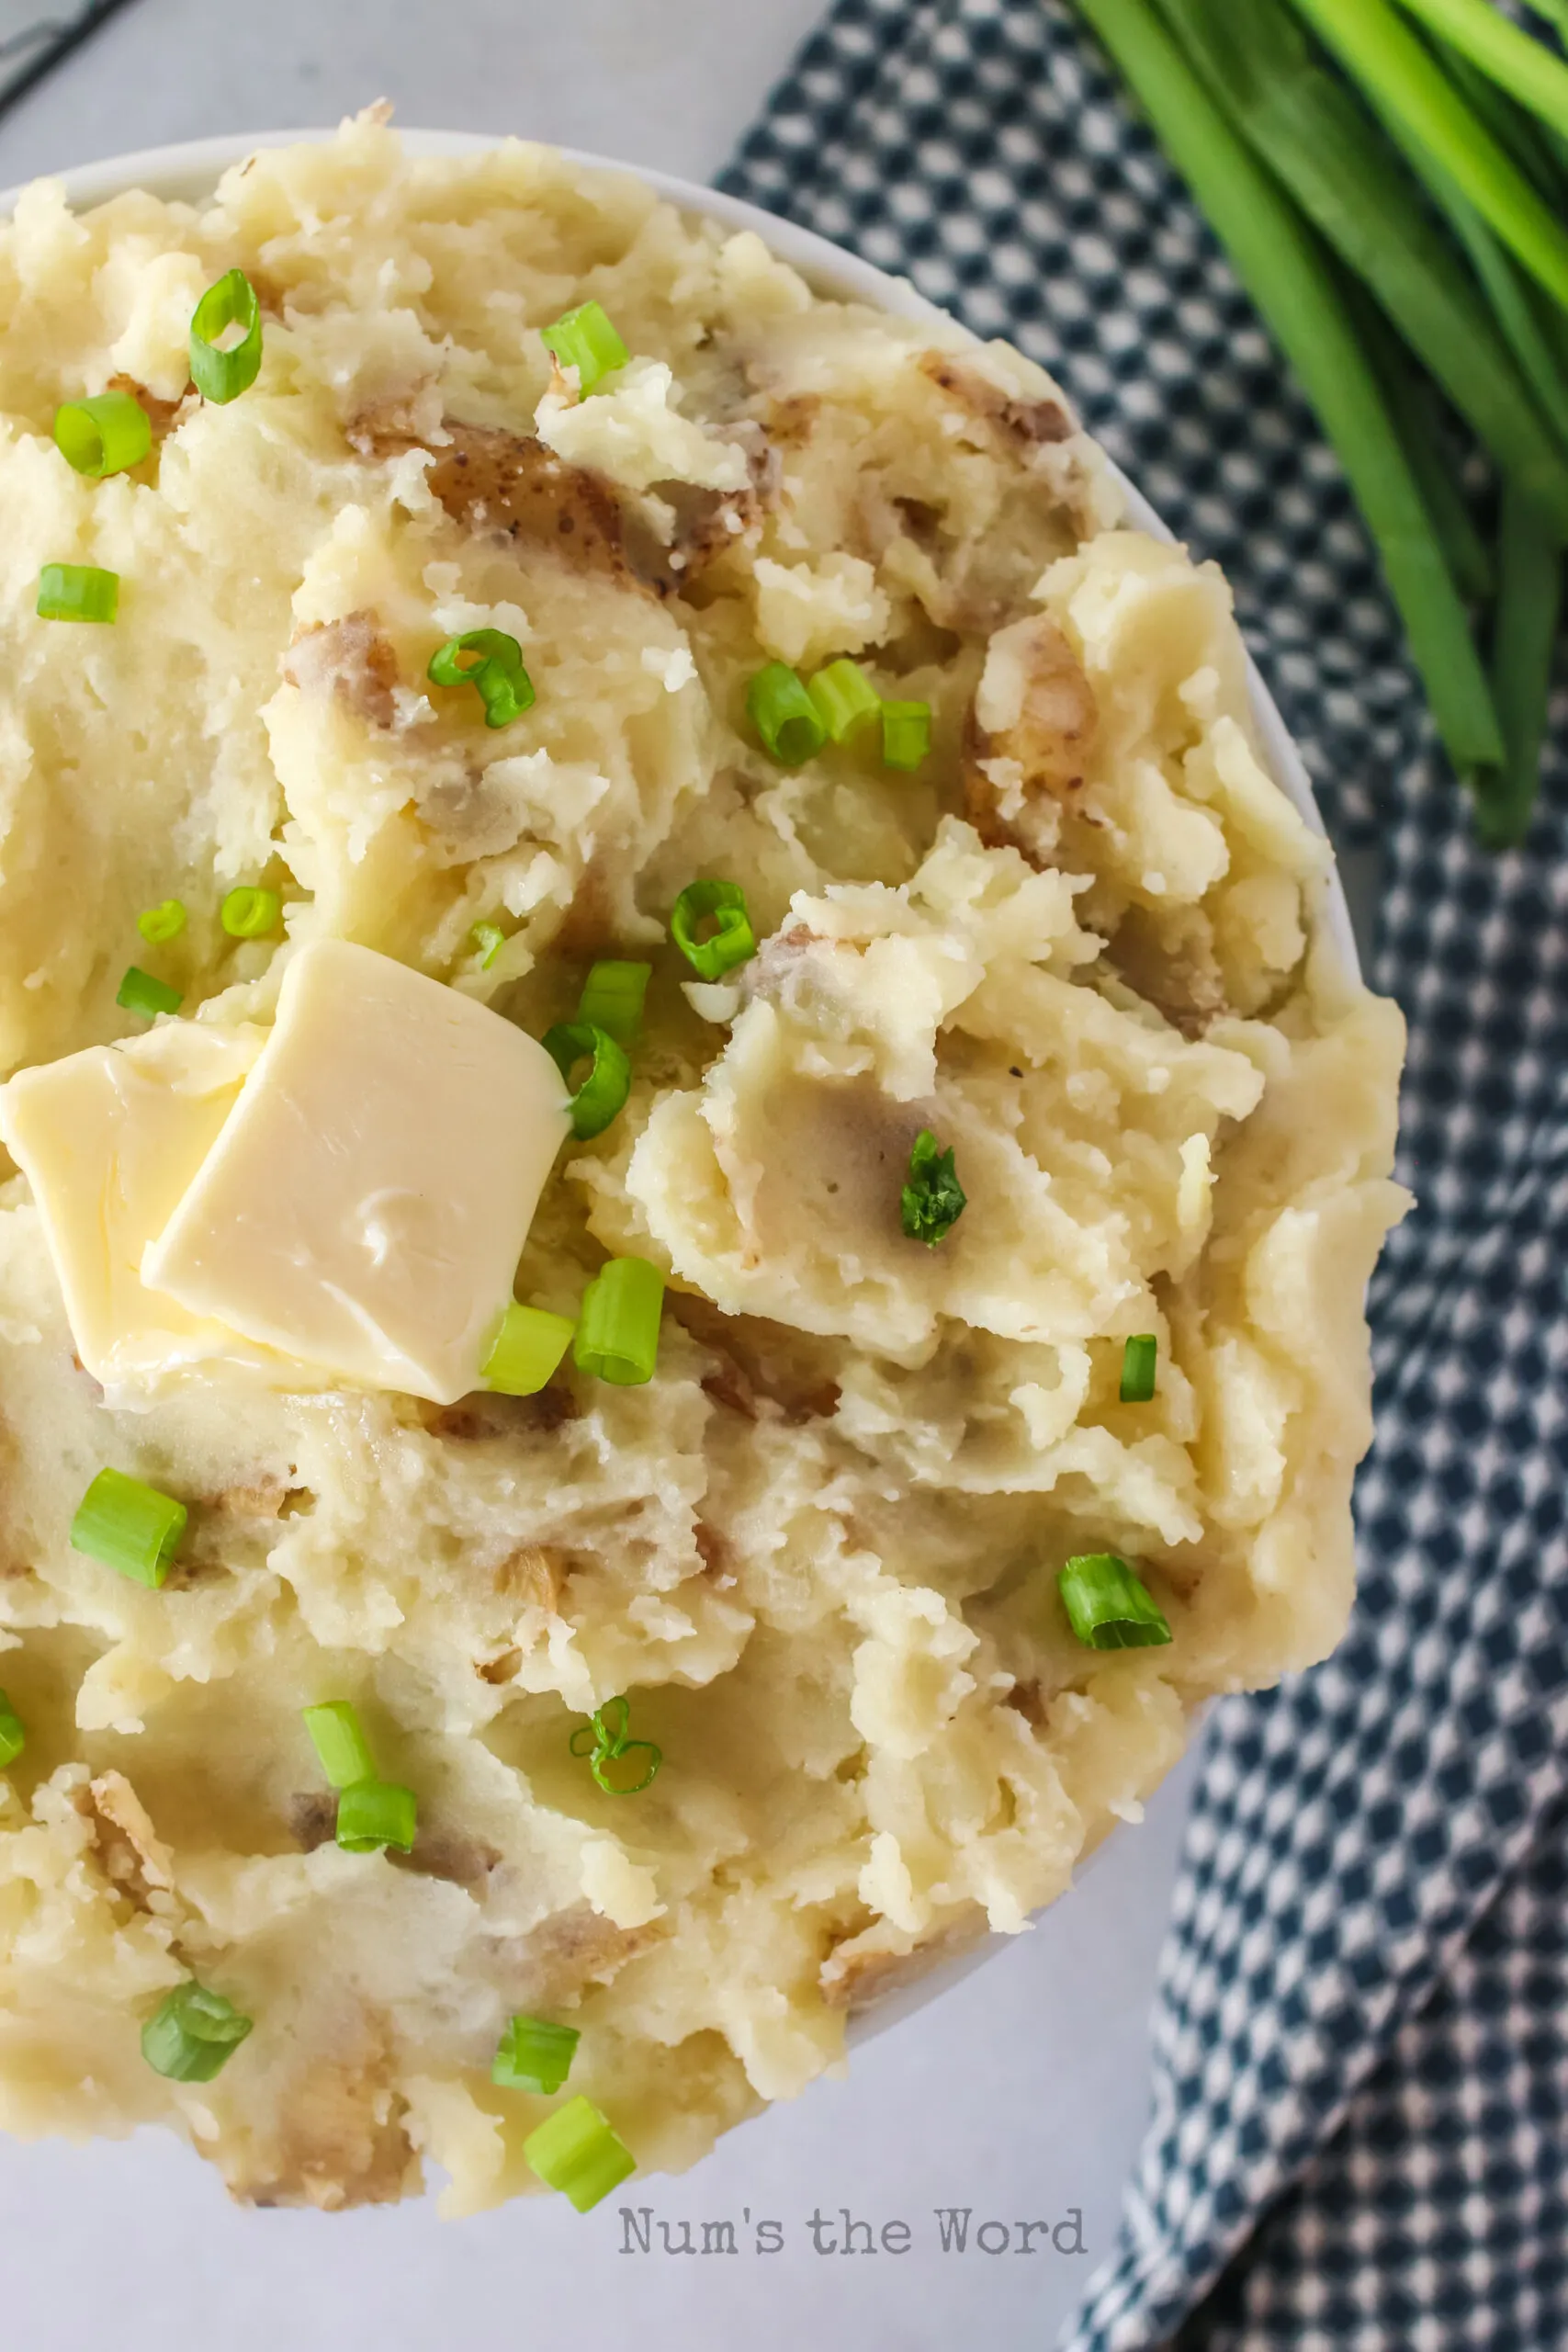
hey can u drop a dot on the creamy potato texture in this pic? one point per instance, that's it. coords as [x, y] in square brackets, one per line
[818, 1550]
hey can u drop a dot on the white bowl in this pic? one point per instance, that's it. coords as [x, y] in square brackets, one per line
[187, 172]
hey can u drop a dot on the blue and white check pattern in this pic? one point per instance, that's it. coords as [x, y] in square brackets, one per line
[1359, 2138]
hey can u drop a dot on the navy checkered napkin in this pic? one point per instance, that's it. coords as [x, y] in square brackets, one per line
[1359, 2138]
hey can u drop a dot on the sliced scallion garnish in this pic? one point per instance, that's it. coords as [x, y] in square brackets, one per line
[192, 2034]
[527, 1351]
[375, 1814]
[1139, 1360]
[250, 912]
[617, 1331]
[906, 733]
[791, 726]
[77, 592]
[933, 1200]
[604, 1740]
[845, 698]
[575, 2151]
[142, 992]
[340, 1743]
[163, 922]
[103, 435]
[497, 674]
[733, 939]
[613, 998]
[220, 376]
[1107, 1606]
[13, 1736]
[608, 1080]
[585, 339]
[489, 939]
[535, 2055]
[129, 1526]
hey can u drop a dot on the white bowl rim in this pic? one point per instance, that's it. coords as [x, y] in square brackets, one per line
[188, 170]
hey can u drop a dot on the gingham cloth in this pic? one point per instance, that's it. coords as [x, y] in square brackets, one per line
[1359, 2136]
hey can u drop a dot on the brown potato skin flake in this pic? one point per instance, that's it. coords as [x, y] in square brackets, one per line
[1026, 422]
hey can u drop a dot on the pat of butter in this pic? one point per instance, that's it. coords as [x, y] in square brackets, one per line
[366, 1201]
[109, 1139]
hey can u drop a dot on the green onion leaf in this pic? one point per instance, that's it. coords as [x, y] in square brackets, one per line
[1408, 86]
[604, 1740]
[1524, 630]
[732, 942]
[933, 1200]
[502, 683]
[535, 2055]
[1138, 1359]
[845, 698]
[1106, 1607]
[373, 1813]
[1513, 60]
[611, 1001]
[13, 1737]
[77, 592]
[140, 993]
[489, 939]
[791, 726]
[103, 435]
[193, 2034]
[250, 913]
[617, 1332]
[584, 339]
[160, 923]
[223, 376]
[575, 2151]
[906, 733]
[609, 1077]
[1282, 267]
[129, 1526]
[339, 1742]
[527, 1350]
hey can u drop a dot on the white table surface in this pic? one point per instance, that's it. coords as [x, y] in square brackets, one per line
[1022, 2094]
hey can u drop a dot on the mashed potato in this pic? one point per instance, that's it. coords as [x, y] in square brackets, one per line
[819, 1549]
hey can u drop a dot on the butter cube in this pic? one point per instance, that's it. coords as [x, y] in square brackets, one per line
[365, 1203]
[109, 1139]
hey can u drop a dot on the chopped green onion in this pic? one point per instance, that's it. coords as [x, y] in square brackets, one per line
[602, 1739]
[77, 592]
[165, 921]
[373, 1813]
[129, 1526]
[489, 940]
[906, 733]
[339, 1742]
[1106, 1607]
[609, 1077]
[192, 2035]
[612, 1000]
[103, 435]
[504, 684]
[1516, 63]
[535, 2055]
[13, 1738]
[791, 726]
[584, 339]
[933, 1200]
[733, 941]
[223, 376]
[1281, 265]
[1138, 1358]
[575, 2151]
[528, 1347]
[845, 698]
[617, 1332]
[250, 913]
[139, 992]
